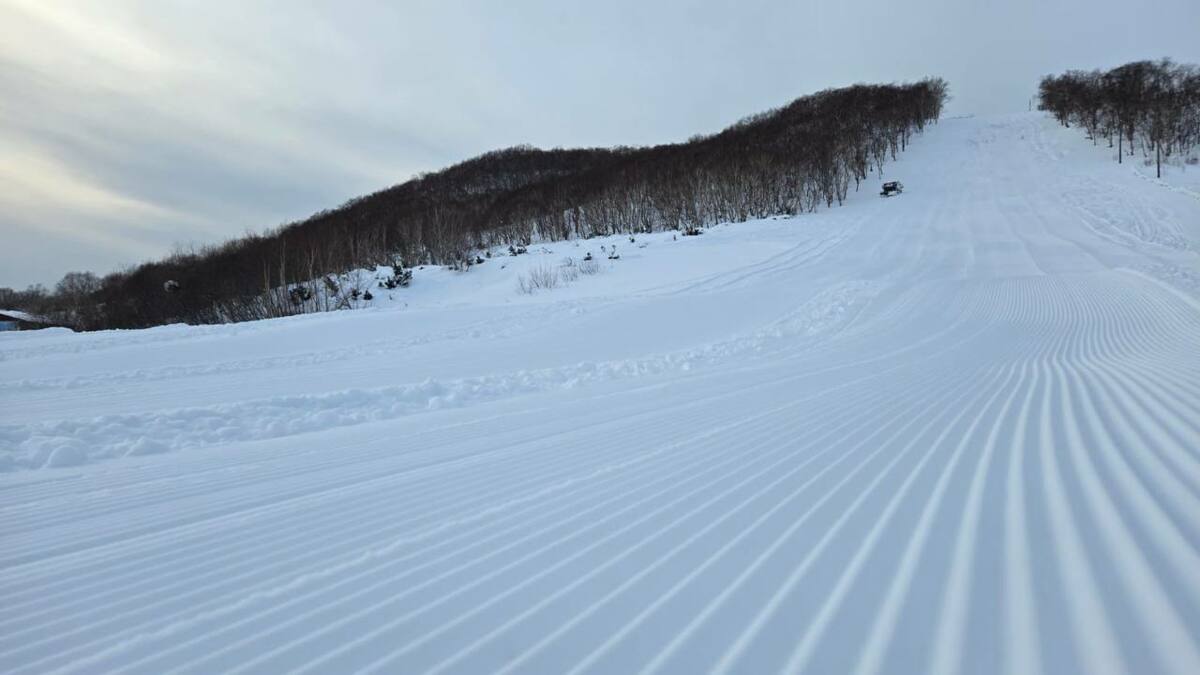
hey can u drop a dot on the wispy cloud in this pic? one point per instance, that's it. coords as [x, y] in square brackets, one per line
[31, 181]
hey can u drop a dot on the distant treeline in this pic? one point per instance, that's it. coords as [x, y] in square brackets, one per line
[1154, 102]
[784, 161]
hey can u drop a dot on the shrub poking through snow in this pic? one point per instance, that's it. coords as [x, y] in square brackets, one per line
[399, 278]
[538, 278]
[299, 295]
[545, 277]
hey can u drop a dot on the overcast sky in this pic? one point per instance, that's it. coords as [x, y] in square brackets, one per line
[128, 127]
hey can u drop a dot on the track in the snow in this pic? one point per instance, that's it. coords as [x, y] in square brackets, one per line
[977, 451]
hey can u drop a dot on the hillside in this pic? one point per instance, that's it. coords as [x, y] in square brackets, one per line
[955, 430]
[806, 155]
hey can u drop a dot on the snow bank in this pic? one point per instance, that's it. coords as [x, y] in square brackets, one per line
[75, 441]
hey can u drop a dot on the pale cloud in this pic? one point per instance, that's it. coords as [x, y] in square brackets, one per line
[31, 182]
[79, 41]
[49, 206]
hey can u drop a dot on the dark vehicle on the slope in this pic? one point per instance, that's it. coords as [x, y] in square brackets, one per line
[893, 187]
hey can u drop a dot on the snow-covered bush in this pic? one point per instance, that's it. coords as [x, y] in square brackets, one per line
[394, 277]
[299, 295]
[353, 285]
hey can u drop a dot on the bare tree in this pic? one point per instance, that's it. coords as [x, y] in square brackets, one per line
[1157, 102]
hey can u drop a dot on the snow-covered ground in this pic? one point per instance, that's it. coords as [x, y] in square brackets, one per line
[952, 431]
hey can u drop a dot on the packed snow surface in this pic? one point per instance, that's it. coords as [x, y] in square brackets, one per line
[956, 430]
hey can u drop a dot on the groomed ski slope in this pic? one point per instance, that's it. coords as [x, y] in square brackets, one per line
[953, 431]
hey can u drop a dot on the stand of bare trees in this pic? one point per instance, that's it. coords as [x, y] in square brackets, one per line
[1156, 103]
[784, 161]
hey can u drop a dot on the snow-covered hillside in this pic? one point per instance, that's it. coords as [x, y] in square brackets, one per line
[956, 430]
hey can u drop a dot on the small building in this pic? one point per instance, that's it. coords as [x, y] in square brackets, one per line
[15, 319]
